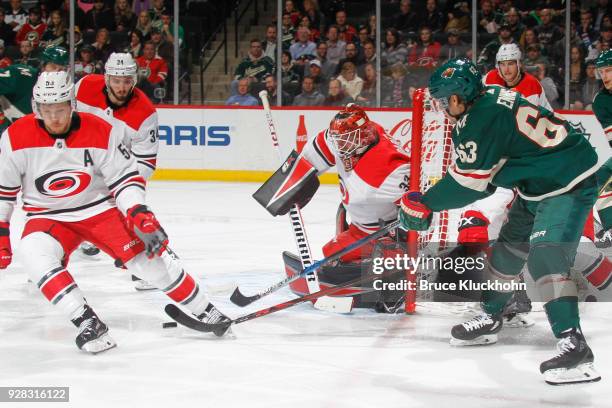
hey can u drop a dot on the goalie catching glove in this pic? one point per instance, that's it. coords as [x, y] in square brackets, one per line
[142, 222]
[413, 214]
[6, 256]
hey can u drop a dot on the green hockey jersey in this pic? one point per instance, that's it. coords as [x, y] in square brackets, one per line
[16, 84]
[505, 141]
[602, 106]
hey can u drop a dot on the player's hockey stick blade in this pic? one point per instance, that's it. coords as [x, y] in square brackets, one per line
[241, 300]
[324, 292]
[186, 320]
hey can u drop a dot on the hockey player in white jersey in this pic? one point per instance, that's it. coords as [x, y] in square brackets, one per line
[80, 182]
[115, 98]
[373, 173]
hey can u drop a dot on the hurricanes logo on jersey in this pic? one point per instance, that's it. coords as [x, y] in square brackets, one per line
[343, 192]
[62, 183]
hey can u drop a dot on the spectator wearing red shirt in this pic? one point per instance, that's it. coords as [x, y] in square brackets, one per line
[346, 32]
[33, 29]
[426, 52]
[293, 12]
[152, 70]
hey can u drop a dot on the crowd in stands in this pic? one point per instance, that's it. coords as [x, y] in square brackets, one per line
[329, 51]
[143, 28]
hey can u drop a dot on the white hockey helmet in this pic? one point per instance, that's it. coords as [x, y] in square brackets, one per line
[52, 87]
[508, 52]
[120, 64]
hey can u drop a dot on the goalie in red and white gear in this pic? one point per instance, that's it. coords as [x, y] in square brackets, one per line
[373, 173]
[79, 182]
[115, 98]
[509, 74]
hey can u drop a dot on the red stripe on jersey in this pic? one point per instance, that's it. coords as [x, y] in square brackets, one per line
[137, 110]
[471, 175]
[9, 194]
[137, 179]
[56, 285]
[183, 290]
[589, 227]
[321, 144]
[29, 208]
[602, 274]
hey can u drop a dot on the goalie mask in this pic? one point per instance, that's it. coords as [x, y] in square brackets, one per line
[351, 133]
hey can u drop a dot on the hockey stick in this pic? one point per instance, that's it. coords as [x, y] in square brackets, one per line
[241, 300]
[340, 305]
[186, 320]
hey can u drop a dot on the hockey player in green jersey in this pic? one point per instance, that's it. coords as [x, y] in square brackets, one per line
[602, 106]
[17, 81]
[503, 140]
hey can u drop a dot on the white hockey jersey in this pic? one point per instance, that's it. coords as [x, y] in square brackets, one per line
[70, 178]
[529, 87]
[372, 190]
[138, 115]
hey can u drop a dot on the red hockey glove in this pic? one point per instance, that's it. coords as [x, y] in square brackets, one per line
[143, 223]
[414, 215]
[474, 231]
[473, 228]
[6, 256]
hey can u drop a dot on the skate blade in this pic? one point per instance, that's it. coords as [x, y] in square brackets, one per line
[102, 343]
[582, 373]
[479, 341]
[519, 320]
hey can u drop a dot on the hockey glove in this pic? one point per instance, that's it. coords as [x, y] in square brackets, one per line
[473, 228]
[6, 256]
[413, 214]
[143, 223]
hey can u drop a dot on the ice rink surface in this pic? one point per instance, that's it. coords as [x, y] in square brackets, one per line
[295, 358]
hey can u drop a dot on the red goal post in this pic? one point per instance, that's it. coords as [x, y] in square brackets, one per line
[431, 152]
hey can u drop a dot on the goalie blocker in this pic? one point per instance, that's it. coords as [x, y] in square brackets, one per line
[295, 182]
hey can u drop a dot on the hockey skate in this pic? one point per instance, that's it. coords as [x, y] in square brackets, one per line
[213, 315]
[573, 364]
[480, 330]
[89, 249]
[516, 311]
[93, 334]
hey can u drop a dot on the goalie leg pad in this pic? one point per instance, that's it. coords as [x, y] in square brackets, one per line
[345, 239]
[295, 182]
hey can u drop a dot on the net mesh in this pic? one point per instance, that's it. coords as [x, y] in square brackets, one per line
[431, 137]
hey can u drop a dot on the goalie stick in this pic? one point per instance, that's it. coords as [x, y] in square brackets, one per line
[241, 300]
[186, 320]
[340, 304]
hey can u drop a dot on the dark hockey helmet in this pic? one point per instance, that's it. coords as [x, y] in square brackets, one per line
[56, 55]
[604, 59]
[456, 77]
[351, 133]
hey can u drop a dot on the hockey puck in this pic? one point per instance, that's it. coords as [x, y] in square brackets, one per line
[168, 325]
